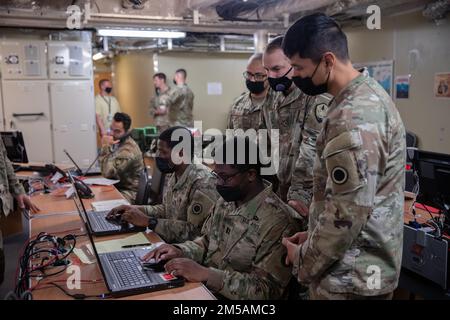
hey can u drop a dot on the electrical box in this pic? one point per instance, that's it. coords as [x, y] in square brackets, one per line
[23, 60]
[69, 60]
[47, 89]
[73, 118]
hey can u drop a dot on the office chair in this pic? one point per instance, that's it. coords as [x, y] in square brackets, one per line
[156, 186]
[143, 189]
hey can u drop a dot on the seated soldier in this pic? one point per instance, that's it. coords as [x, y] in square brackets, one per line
[120, 157]
[188, 196]
[239, 255]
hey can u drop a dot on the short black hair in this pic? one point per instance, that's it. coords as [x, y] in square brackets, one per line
[274, 44]
[313, 35]
[183, 72]
[166, 136]
[124, 118]
[161, 76]
[243, 160]
[102, 81]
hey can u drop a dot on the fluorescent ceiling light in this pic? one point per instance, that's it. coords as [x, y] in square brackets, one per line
[140, 33]
[98, 56]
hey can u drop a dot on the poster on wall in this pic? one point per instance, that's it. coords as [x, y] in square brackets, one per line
[442, 85]
[402, 87]
[382, 71]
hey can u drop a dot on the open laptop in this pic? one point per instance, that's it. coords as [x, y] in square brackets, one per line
[123, 271]
[93, 169]
[97, 223]
[15, 146]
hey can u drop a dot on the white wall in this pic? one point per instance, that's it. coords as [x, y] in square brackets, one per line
[422, 113]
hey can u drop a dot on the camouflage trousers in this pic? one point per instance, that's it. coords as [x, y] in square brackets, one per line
[318, 293]
[2, 259]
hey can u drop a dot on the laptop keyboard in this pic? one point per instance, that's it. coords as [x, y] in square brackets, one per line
[128, 269]
[98, 219]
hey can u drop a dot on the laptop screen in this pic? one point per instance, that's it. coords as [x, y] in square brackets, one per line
[15, 146]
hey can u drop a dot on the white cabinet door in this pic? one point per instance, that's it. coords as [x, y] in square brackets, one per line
[1, 110]
[27, 108]
[73, 118]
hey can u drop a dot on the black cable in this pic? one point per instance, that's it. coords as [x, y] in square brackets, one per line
[57, 251]
[79, 296]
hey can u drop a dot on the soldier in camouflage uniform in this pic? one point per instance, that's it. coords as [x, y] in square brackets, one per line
[353, 247]
[239, 255]
[298, 117]
[159, 104]
[181, 102]
[246, 109]
[120, 157]
[188, 197]
[10, 188]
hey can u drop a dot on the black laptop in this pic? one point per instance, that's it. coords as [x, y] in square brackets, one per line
[93, 169]
[123, 271]
[97, 223]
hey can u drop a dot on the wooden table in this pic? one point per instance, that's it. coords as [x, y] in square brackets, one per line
[53, 219]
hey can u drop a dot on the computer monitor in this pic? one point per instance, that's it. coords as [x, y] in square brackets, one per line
[15, 146]
[434, 178]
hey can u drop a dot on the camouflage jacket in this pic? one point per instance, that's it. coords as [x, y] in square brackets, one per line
[9, 184]
[245, 114]
[242, 247]
[185, 205]
[298, 118]
[158, 101]
[124, 163]
[181, 101]
[356, 218]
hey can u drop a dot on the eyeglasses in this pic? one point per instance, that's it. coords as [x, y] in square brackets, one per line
[224, 178]
[257, 76]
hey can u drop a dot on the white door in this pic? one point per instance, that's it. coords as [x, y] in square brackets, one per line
[73, 116]
[27, 109]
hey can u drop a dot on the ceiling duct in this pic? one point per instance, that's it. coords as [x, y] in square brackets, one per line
[437, 10]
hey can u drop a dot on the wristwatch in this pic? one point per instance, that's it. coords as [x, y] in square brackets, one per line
[152, 222]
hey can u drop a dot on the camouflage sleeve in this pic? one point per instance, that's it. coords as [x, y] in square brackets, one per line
[230, 122]
[197, 249]
[114, 162]
[352, 164]
[157, 210]
[201, 201]
[153, 105]
[268, 277]
[175, 96]
[15, 187]
[302, 177]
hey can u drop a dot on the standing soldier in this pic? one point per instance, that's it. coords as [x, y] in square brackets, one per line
[353, 247]
[298, 117]
[246, 110]
[10, 188]
[106, 105]
[181, 102]
[159, 107]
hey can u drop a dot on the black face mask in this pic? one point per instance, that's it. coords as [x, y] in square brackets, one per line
[230, 194]
[108, 90]
[308, 87]
[255, 86]
[282, 83]
[164, 165]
